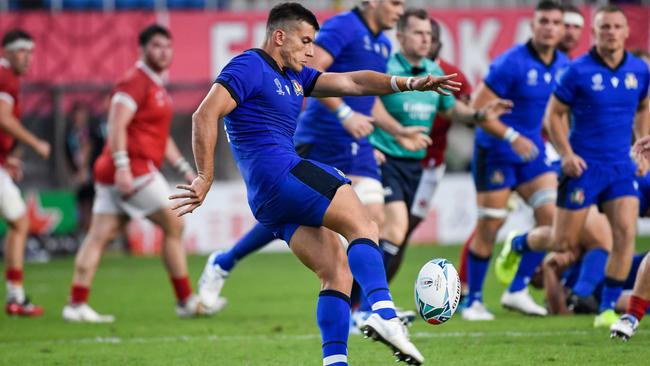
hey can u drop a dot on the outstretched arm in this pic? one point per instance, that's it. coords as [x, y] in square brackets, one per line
[366, 82]
[216, 105]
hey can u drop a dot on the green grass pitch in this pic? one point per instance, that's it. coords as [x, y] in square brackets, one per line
[270, 320]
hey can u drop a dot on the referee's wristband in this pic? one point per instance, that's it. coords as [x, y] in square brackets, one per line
[343, 112]
[511, 135]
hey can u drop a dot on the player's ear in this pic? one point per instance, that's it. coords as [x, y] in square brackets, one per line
[279, 36]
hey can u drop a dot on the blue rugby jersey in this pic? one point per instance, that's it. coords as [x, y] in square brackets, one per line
[261, 128]
[354, 47]
[603, 102]
[520, 75]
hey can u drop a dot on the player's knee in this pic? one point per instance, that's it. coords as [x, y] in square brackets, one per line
[564, 243]
[20, 225]
[173, 227]
[378, 217]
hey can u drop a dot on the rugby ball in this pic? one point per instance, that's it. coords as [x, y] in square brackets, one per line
[437, 291]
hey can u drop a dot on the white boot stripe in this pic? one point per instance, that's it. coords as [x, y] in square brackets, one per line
[386, 304]
[334, 359]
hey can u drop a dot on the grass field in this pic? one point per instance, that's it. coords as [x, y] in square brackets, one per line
[270, 320]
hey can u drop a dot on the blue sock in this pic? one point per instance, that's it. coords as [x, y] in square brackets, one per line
[592, 272]
[367, 267]
[258, 237]
[476, 270]
[333, 316]
[611, 292]
[529, 263]
[520, 243]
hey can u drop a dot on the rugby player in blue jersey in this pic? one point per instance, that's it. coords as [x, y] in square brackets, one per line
[509, 154]
[606, 94]
[333, 130]
[308, 204]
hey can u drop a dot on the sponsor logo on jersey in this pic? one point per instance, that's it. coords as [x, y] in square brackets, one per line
[614, 81]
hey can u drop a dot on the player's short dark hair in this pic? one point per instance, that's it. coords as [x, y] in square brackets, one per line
[290, 12]
[547, 5]
[14, 35]
[150, 31]
[570, 8]
[411, 12]
[610, 8]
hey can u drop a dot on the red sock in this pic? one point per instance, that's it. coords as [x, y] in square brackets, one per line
[182, 288]
[462, 273]
[637, 307]
[79, 294]
[14, 275]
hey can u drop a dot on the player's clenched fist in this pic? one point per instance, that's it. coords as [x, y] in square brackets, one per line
[573, 165]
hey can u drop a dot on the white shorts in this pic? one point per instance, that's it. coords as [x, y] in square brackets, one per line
[368, 190]
[12, 205]
[431, 177]
[151, 194]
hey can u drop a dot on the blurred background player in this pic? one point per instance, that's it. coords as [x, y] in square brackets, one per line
[17, 48]
[574, 22]
[128, 183]
[510, 155]
[302, 201]
[606, 93]
[401, 169]
[333, 130]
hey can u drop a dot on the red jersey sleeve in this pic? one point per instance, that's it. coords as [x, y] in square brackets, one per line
[134, 87]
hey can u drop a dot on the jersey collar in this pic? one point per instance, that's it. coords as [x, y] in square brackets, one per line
[533, 52]
[156, 77]
[413, 70]
[356, 11]
[269, 60]
[596, 56]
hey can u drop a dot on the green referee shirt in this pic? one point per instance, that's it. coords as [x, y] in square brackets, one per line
[412, 108]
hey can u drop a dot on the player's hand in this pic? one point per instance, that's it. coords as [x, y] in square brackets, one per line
[496, 108]
[359, 125]
[43, 149]
[642, 165]
[413, 138]
[525, 148]
[14, 167]
[440, 84]
[124, 181]
[573, 165]
[642, 147]
[380, 158]
[190, 200]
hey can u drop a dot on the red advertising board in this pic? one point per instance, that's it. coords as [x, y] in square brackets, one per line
[97, 47]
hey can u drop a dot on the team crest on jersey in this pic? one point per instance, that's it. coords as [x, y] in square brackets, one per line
[578, 196]
[630, 81]
[597, 82]
[278, 84]
[497, 177]
[297, 88]
[531, 77]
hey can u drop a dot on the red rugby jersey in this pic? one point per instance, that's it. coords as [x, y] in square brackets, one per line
[143, 90]
[9, 90]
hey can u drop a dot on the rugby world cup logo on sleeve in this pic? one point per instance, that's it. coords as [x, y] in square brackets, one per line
[297, 88]
[278, 84]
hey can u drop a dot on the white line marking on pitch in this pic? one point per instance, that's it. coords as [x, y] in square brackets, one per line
[301, 337]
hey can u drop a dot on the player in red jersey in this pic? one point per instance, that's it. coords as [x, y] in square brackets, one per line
[128, 183]
[17, 55]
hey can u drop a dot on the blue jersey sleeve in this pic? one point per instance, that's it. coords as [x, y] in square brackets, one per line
[501, 76]
[308, 78]
[333, 36]
[565, 90]
[240, 75]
